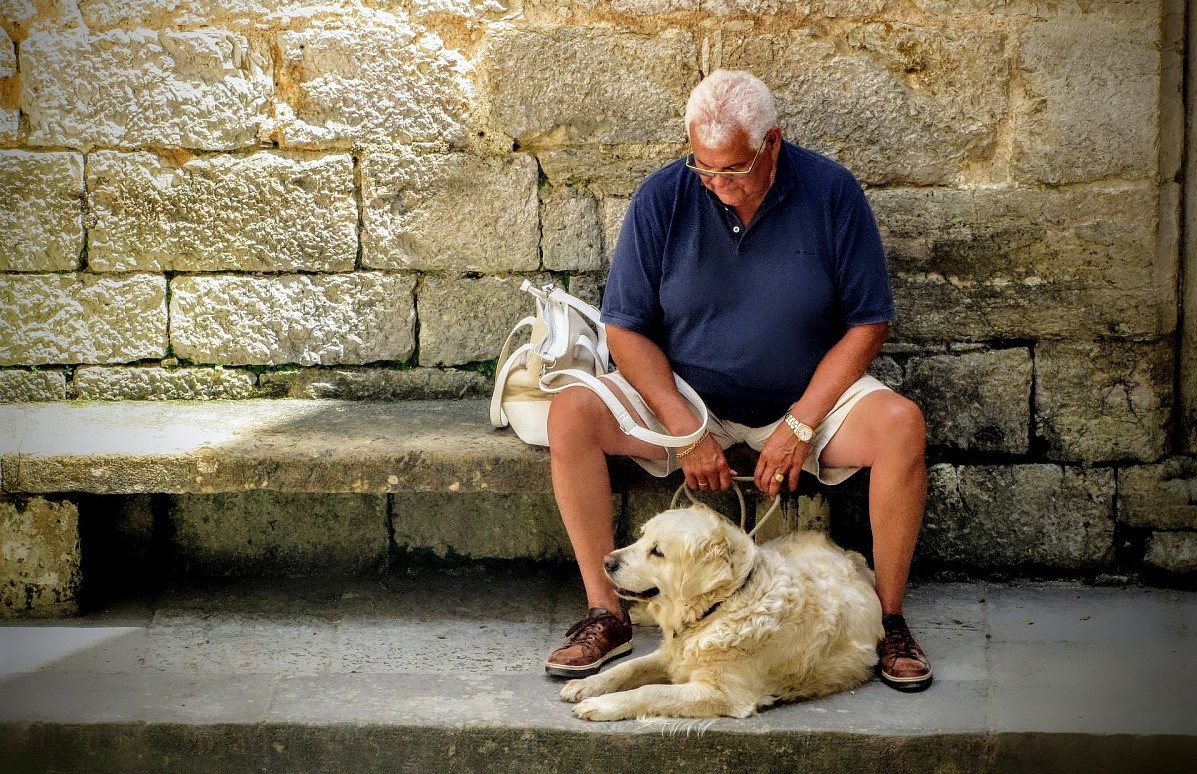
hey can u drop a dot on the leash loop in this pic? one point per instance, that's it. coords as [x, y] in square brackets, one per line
[739, 496]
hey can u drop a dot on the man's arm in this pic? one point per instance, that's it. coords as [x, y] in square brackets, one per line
[647, 369]
[843, 364]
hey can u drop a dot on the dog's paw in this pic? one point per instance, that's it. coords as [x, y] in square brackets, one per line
[602, 708]
[576, 690]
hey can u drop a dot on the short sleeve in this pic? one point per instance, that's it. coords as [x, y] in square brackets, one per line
[862, 275]
[631, 297]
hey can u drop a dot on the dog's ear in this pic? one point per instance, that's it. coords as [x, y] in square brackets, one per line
[728, 544]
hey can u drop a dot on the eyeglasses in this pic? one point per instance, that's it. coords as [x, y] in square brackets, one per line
[704, 172]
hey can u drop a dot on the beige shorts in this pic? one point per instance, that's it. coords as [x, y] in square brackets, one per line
[730, 433]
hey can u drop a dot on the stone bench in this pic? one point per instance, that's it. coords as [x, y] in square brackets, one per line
[302, 487]
[309, 446]
[274, 486]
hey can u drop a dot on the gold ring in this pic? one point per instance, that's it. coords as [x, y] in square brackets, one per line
[779, 477]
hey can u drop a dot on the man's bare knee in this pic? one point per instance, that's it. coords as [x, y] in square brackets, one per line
[575, 413]
[906, 423]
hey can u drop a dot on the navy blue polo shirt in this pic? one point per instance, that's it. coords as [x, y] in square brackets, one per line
[746, 314]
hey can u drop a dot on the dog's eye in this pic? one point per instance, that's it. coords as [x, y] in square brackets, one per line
[655, 551]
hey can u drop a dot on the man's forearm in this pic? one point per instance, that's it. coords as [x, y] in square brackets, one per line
[843, 364]
[647, 369]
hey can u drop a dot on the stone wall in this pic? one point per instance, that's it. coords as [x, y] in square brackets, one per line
[285, 198]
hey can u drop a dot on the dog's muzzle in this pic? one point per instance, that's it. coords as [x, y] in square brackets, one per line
[611, 566]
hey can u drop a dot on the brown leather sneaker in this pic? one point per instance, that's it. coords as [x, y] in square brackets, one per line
[902, 663]
[593, 641]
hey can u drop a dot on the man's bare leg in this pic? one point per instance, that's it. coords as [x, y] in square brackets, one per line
[582, 433]
[886, 433]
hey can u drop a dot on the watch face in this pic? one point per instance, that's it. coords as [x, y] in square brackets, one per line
[805, 434]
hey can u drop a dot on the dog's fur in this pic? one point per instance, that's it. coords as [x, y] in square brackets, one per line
[742, 626]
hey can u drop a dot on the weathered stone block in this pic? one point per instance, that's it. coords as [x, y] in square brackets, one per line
[467, 320]
[832, 8]
[1141, 9]
[589, 84]
[1094, 107]
[374, 383]
[273, 533]
[39, 549]
[31, 386]
[570, 234]
[156, 383]
[469, 9]
[1162, 496]
[450, 212]
[379, 84]
[1013, 263]
[893, 102]
[588, 288]
[41, 211]
[606, 170]
[646, 497]
[887, 371]
[651, 7]
[1173, 552]
[481, 526]
[207, 89]
[262, 212]
[81, 318]
[613, 209]
[794, 514]
[1023, 516]
[978, 401]
[101, 14]
[1105, 401]
[10, 112]
[309, 320]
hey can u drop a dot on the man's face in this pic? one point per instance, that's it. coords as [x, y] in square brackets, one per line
[739, 191]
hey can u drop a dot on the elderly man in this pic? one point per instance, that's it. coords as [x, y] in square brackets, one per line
[754, 270]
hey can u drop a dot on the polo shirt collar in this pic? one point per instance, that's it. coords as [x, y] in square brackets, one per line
[783, 183]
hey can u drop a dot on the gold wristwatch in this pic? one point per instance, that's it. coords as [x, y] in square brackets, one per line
[804, 431]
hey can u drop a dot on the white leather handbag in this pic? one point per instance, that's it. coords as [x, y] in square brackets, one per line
[567, 347]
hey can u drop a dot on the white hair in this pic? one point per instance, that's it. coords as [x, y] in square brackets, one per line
[727, 101]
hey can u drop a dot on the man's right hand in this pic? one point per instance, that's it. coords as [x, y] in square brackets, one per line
[706, 467]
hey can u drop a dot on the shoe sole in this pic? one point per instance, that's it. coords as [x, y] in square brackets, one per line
[575, 672]
[906, 684]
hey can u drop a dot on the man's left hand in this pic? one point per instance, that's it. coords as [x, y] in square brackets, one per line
[782, 454]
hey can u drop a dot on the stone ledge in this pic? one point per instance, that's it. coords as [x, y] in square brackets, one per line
[312, 446]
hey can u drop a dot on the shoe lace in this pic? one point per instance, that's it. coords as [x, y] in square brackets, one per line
[589, 629]
[899, 642]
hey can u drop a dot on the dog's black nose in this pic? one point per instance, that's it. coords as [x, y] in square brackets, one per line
[611, 563]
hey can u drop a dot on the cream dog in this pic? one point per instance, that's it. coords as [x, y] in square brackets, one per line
[742, 626]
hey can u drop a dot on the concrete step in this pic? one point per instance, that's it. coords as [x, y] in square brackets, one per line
[442, 671]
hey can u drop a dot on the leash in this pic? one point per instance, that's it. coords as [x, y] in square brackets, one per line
[739, 496]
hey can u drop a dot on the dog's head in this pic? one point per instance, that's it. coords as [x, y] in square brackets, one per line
[683, 554]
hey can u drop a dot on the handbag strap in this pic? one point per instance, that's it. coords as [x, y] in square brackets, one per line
[627, 423]
[507, 363]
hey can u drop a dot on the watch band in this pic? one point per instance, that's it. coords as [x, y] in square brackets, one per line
[804, 431]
